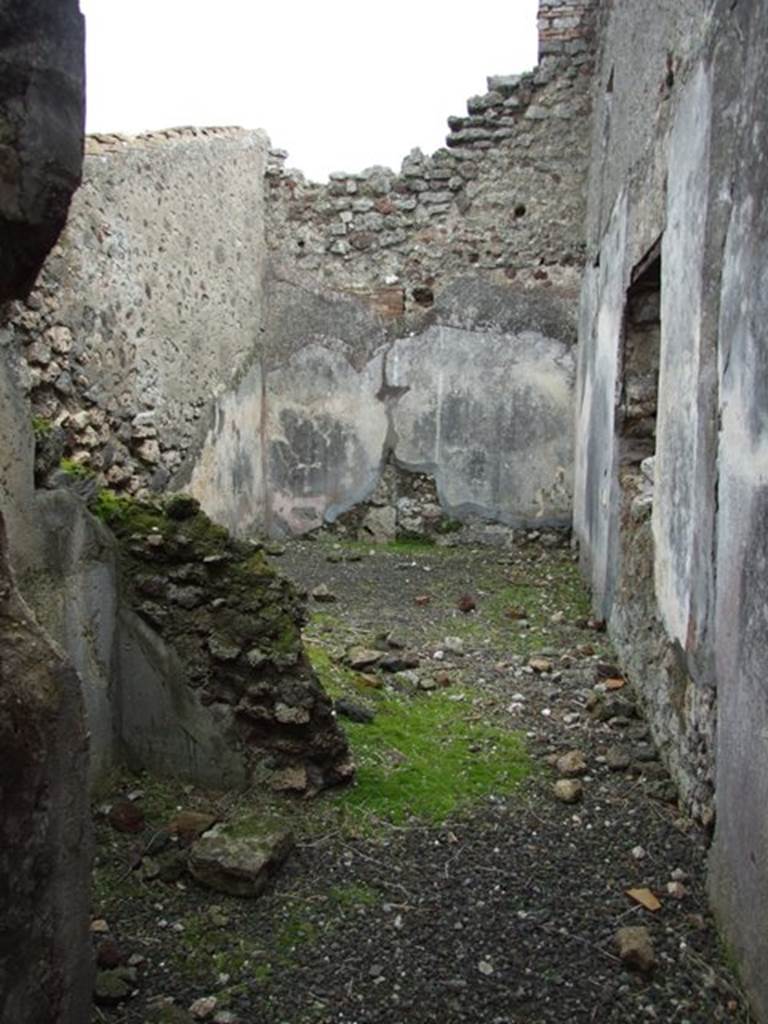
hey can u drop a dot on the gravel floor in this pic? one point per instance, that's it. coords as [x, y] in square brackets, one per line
[505, 914]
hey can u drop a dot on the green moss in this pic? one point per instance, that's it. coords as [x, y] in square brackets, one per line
[425, 756]
[296, 930]
[288, 638]
[41, 427]
[125, 515]
[336, 679]
[111, 508]
[262, 973]
[162, 797]
[410, 546]
[204, 949]
[76, 469]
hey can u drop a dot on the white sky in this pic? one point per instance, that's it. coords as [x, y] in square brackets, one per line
[340, 84]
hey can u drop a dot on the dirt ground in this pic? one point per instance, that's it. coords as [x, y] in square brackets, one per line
[451, 884]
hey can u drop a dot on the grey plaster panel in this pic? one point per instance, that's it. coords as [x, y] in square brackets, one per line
[327, 428]
[596, 507]
[739, 884]
[163, 726]
[677, 497]
[228, 474]
[491, 416]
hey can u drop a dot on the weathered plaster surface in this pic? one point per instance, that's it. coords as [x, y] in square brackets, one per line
[161, 724]
[677, 490]
[739, 884]
[681, 135]
[487, 414]
[596, 473]
[327, 428]
[228, 474]
[74, 591]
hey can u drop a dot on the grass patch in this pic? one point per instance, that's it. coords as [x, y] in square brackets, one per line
[425, 756]
[338, 680]
[558, 588]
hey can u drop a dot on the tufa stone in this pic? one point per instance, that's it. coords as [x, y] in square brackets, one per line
[636, 949]
[238, 867]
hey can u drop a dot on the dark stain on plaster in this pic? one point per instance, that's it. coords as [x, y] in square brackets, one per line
[314, 455]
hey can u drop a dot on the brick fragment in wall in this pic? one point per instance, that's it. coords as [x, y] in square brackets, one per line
[387, 302]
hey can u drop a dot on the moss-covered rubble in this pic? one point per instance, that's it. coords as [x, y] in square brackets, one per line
[236, 627]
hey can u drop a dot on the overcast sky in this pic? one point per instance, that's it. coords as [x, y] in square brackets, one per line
[340, 84]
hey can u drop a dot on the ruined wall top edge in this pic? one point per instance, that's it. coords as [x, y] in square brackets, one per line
[113, 142]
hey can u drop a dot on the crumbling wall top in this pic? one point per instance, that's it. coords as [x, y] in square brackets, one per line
[112, 142]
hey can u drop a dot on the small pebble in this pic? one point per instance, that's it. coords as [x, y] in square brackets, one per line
[203, 1008]
[568, 791]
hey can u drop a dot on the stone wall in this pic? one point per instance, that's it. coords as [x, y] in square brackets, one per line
[272, 352]
[505, 196]
[436, 305]
[151, 302]
[672, 535]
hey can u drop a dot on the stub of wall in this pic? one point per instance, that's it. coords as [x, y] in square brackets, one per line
[73, 588]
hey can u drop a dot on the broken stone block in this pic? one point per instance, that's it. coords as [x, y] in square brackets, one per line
[354, 712]
[618, 759]
[540, 665]
[125, 816]
[363, 657]
[238, 867]
[636, 949]
[191, 824]
[113, 987]
[380, 525]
